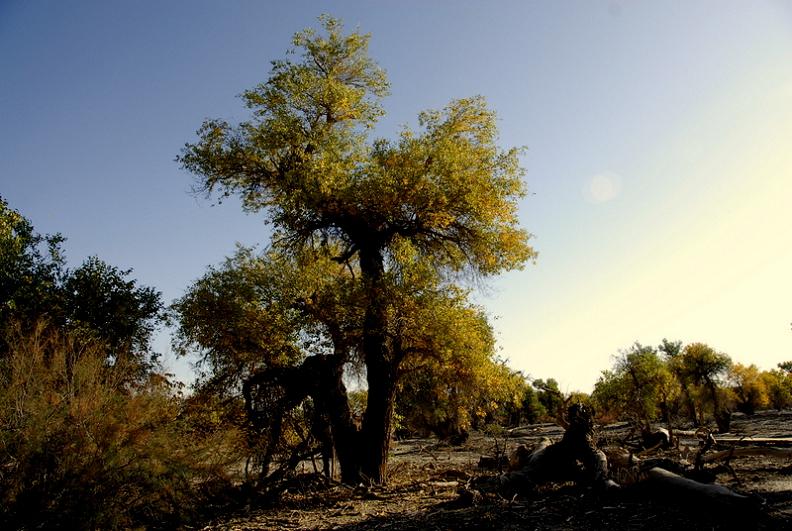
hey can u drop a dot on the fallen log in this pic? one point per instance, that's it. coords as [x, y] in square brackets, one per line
[444, 484]
[676, 486]
[755, 441]
[783, 453]
[654, 439]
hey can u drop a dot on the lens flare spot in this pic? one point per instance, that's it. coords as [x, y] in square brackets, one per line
[602, 187]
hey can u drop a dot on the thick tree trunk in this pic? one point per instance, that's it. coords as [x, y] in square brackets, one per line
[377, 421]
[380, 369]
[725, 455]
[321, 378]
[722, 415]
[701, 494]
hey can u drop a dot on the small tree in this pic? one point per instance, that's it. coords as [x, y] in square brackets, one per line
[704, 367]
[532, 410]
[779, 388]
[31, 269]
[749, 388]
[640, 387]
[672, 351]
[550, 396]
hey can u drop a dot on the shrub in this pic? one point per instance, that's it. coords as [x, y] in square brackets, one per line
[81, 447]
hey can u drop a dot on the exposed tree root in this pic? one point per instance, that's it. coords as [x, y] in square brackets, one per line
[574, 457]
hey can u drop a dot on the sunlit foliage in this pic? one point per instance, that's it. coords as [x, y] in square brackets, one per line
[748, 387]
[779, 388]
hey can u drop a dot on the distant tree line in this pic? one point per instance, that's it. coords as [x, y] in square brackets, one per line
[692, 384]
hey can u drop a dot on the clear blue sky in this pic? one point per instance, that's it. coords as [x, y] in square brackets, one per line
[659, 150]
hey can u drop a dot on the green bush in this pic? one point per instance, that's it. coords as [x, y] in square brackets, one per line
[81, 447]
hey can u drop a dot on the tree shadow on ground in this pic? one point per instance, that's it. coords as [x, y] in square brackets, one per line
[572, 508]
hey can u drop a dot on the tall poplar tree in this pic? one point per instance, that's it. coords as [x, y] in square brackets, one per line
[445, 195]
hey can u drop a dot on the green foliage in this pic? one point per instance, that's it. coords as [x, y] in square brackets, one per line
[448, 351]
[305, 158]
[532, 410]
[640, 387]
[694, 379]
[96, 299]
[450, 399]
[357, 403]
[550, 397]
[578, 397]
[31, 267]
[702, 364]
[779, 388]
[83, 449]
[242, 316]
[703, 367]
[92, 435]
[507, 391]
[99, 297]
[748, 388]
[267, 309]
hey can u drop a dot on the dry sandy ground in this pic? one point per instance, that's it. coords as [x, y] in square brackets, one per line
[426, 477]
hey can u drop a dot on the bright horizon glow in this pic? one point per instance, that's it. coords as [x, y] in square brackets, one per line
[714, 268]
[659, 158]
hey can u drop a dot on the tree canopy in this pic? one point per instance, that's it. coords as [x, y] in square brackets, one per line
[304, 158]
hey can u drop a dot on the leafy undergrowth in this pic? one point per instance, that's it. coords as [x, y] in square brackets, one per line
[427, 478]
